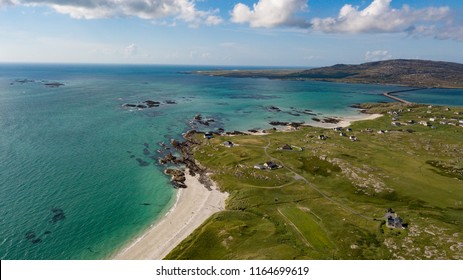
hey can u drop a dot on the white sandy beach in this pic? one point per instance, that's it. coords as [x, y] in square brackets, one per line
[346, 121]
[193, 206]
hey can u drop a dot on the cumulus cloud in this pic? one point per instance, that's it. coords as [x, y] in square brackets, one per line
[146, 9]
[270, 13]
[377, 55]
[378, 17]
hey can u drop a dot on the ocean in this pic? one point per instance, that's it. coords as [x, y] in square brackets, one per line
[79, 172]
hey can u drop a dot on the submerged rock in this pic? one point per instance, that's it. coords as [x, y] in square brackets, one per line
[37, 240]
[142, 162]
[58, 215]
[30, 235]
[273, 109]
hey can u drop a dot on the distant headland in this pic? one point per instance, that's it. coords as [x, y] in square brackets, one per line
[405, 72]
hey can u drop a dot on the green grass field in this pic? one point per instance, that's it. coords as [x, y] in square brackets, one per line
[328, 201]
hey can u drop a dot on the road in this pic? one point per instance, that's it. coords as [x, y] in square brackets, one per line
[300, 177]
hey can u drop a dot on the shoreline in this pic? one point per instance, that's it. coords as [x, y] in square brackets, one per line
[193, 205]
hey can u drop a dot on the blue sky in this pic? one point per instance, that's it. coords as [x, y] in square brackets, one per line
[228, 32]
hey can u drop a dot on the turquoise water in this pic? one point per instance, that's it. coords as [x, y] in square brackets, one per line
[70, 183]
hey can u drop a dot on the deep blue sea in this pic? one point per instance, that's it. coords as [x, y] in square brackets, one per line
[78, 171]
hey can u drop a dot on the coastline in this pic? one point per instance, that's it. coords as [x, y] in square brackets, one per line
[193, 205]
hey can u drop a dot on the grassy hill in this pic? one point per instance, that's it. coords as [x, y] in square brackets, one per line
[414, 73]
[329, 198]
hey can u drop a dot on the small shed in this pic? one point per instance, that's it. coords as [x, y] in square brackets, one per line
[271, 165]
[286, 147]
[228, 144]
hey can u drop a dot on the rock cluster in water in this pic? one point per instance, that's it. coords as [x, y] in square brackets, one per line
[45, 83]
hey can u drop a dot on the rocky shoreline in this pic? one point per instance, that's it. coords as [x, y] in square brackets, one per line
[176, 163]
[184, 162]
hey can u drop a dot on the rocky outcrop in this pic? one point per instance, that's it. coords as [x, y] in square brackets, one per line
[177, 177]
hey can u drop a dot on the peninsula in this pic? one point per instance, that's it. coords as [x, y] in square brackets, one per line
[319, 193]
[405, 72]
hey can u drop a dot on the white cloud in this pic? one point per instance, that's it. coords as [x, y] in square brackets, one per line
[270, 13]
[146, 9]
[131, 50]
[444, 32]
[378, 17]
[377, 55]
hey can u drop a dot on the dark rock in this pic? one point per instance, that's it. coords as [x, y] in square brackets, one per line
[170, 157]
[198, 117]
[141, 106]
[295, 124]
[53, 84]
[146, 151]
[331, 120]
[146, 145]
[170, 102]
[146, 204]
[151, 103]
[273, 109]
[24, 81]
[178, 176]
[316, 119]
[176, 144]
[47, 232]
[276, 123]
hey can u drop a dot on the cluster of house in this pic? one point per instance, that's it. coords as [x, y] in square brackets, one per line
[268, 165]
[343, 134]
[430, 122]
[393, 220]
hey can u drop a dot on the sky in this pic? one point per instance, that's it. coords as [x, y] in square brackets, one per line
[228, 32]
